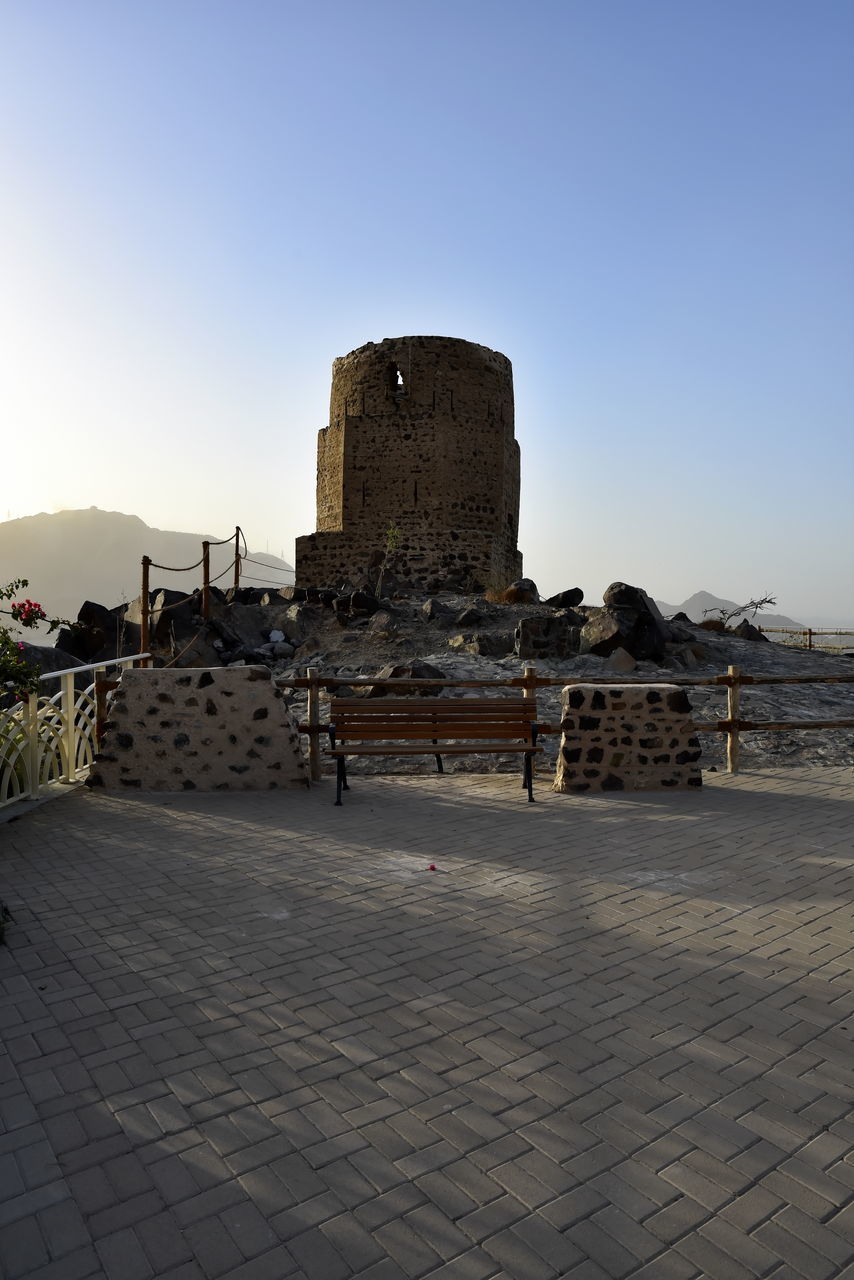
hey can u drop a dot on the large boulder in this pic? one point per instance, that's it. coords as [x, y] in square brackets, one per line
[566, 599]
[634, 630]
[413, 670]
[621, 595]
[523, 591]
[629, 620]
[555, 637]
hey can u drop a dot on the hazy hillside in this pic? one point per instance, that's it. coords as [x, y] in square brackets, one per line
[73, 556]
[696, 605]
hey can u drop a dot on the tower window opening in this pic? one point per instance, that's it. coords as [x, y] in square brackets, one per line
[395, 380]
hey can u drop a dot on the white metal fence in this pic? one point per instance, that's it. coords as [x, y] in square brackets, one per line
[50, 740]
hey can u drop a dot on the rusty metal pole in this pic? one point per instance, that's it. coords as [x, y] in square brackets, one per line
[144, 623]
[206, 580]
[237, 557]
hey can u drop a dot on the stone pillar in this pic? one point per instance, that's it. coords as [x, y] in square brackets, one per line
[626, 738]
[223, 729]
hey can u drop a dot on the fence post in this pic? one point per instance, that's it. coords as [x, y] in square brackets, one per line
[529, 689]
[237, 557]
[69, 721]
[313, 713]
[33, 754]
[809, 637]
[732, 700]
[206, 580]
[144, 604]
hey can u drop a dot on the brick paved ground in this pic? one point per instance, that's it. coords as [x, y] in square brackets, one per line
[252, 1037]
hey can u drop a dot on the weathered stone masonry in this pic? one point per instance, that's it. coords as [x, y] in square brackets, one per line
[223, 729]
[626, 738]
[420, 436]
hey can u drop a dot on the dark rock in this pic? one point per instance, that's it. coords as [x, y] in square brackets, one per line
[523, 591]
[469, 617]
[566, 599]
[250, 595]
[746, 631]
[435, 611]
[621, 595]
[491, 644]
[682, 617]
[363, 604]
[413, 670]
[297, 594]
[552, 637]
[634, 630]
[573, 617]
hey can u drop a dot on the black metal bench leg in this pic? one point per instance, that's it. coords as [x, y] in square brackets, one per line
[340, 780]
[529, 777]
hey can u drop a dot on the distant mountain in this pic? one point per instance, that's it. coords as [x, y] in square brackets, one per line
[696, 605]
[73, 556]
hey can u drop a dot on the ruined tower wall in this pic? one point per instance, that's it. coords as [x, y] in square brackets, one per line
[420, 436]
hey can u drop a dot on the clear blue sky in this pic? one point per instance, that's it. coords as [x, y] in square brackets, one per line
[648, 205]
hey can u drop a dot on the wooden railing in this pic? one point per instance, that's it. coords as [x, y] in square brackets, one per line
[733, 679]
[808, 634]
[205, 564]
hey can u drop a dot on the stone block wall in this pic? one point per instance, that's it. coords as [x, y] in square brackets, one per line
[420, 436]
[546, 638]
[626, 738]
[222, 729]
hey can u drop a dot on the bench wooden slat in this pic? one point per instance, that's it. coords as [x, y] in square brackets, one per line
[430, 704]
[392, 733]
[444, 749]
[448, 712]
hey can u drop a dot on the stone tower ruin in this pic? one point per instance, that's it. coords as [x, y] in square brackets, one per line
[420, 437]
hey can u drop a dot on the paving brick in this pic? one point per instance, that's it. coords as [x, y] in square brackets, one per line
[165, 1244]
[123, 1257]
[63, 1228]
[22, 1248]
[212, 1247]
[519, 1259]
[407, 1248]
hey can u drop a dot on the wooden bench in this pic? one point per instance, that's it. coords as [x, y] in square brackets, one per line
[432, 726]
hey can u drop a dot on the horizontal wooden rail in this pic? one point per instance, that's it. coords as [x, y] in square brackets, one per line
[545, 682]
[749, 726]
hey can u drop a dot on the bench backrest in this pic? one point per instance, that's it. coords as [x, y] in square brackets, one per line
[413, 719]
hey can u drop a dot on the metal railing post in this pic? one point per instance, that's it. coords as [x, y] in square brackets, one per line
[33, 753]
[68, 744]
[237, 557]
[313, 713]
[733, 700]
